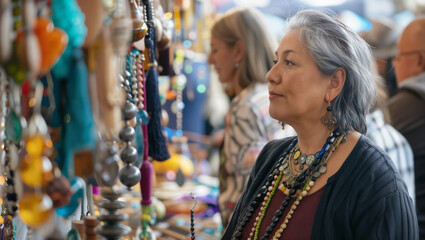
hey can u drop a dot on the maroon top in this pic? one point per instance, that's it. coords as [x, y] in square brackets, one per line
[299, 226]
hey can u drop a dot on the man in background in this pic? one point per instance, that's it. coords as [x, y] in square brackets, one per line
[406, 109]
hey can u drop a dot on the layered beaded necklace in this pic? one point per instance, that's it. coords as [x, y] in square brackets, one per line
[296, 183]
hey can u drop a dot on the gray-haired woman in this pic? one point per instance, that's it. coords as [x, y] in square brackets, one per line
[330, 182]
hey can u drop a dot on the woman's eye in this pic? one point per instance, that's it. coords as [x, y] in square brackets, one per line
[289, 63]
[275, 61]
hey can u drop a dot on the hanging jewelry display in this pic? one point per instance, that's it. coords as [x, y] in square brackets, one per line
[36, 207]
[178, 105]
[128, 175]
[25, 61]
[14, 131]
[146, 167]
[157, 144]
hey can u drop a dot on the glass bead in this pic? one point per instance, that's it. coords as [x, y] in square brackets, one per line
[35, 209]
[13, 128]
[36, 171]
[180, 105]
[297, 154]
[34, 145]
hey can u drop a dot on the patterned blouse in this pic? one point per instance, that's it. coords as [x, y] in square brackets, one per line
[248, 128]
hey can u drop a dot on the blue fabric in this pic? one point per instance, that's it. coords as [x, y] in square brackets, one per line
[73, 104]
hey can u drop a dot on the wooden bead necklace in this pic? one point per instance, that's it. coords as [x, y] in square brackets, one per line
[303, 181]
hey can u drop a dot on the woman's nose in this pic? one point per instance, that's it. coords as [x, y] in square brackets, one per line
[272, 76]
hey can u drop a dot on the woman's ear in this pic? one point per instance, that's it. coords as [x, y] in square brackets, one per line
[239, 49]
[336, 84]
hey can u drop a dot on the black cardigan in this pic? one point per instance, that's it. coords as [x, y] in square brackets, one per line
[365, 199]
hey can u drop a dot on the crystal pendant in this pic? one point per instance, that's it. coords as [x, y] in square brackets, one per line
[142, 117]
[35, 209]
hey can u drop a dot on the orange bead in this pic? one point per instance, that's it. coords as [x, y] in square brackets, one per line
[35, 145]
[52, 42]
[35, 209]
[170, 94]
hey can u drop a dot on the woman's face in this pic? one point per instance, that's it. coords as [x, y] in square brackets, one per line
[297, 88]
[222, 57]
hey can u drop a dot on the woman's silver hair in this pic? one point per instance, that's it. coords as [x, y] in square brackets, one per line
[247, 25]
[333, 45]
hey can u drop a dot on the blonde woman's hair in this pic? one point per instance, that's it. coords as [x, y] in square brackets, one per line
[247, 25]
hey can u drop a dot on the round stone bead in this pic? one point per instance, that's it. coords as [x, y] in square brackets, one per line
[128, 154]
[127, 134]
[129, 175]
[129, 110]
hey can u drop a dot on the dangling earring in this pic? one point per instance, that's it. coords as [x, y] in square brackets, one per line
[329, 119]
[237, 65]
[281, 124]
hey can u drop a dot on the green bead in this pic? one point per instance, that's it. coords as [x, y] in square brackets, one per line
[13, 128]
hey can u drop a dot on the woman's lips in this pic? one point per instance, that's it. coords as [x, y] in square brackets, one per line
[273, 95]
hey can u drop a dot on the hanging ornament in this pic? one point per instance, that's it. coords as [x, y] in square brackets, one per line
[15, 125]
[129, 175]
[142, 115]
[139, 26]
[157, 146]
[52, 43]
[35, 209]
[36, 170]
[25, 60]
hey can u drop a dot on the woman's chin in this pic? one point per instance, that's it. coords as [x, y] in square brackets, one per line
[275, 113]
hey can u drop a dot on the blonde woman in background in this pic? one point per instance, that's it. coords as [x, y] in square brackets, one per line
[242, 52]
